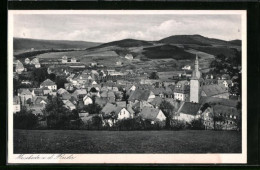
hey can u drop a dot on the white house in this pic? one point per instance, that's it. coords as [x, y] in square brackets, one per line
[49, 84]
[27, 61]
[87, 100]
[152, 114]
[188, 111]
[129, 56]
[16, 104]
[187, 67]
[122, 113]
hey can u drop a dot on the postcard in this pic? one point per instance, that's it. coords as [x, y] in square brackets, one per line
[127, 87]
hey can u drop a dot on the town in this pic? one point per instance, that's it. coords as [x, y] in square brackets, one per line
[64, 93]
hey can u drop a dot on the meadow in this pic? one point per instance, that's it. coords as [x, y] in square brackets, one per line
[83, 141]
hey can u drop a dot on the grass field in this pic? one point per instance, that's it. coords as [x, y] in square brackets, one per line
[81, 141]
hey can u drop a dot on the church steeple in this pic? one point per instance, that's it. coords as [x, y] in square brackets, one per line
[196, 73]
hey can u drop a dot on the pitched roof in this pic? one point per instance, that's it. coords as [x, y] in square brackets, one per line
[158, 91]
[80, 92]
[61, 90]
[189, 108]
[221, 101]
[101, 101]
[25, 92]
[108, 108]
[139, 94]
[225, 110]
[157, 101]
[214, 89]
[48, 82]
[149, 113]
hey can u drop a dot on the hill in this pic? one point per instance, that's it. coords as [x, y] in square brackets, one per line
[193, 39]
[126, 43]
[167, 51]
[24, 44]
[236, 42]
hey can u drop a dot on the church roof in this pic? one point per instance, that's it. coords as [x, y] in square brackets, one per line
[214, 89]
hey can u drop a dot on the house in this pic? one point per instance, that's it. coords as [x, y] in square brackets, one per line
[141, 95]
[69, 86]
[49, 84]
[19, 67]
[187, 67]
[27, 61]
[87, 100]
[37, 92]
[226, 83]
[35, 61]
[156, 102]
[27, 82]
[111, 96]
[40, 100]
[60, 91]
[25, 95]
[108, 108]
[73, 100]
[16, 104]
[188, 111]
[73, 60]
[121, 104]
[64, 59]
[229, 117]
[37, 65]
[119, 63]
[65, 96]
[83, 114]
[93, 64]
[152, 114]
[159, 92]
[79, 93]
[215, 90]
[46, 91]
[94, 92]
[101, 101]
[182, 90]
[129, 56]
[123, 113]
[69, 105]
[139, 105]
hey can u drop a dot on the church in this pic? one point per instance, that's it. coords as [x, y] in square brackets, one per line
[199, 87]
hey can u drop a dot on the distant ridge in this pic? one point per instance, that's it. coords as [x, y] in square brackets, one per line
[194, 39]
[37, 44]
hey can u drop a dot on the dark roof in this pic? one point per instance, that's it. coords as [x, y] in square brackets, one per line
[221, 101]
[108, 108]
[189, 108]
[225, 110]
[157, 101]
[214, 89]
[139, 94]
[47, 82]
[149, 113]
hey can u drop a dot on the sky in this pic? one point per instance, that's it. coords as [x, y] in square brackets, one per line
[106, 28]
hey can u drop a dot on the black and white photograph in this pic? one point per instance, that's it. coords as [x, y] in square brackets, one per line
[128, 86]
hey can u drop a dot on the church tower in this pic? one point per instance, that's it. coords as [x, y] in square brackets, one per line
[195, 83]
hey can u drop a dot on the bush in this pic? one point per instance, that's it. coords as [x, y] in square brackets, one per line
[178, 125]
[197, 124]
[25, 120]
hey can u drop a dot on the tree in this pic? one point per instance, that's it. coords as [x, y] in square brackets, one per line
[168, 110]
[153, 75]
[25, 119]
[96, 122]
[92, 108]
[60, 81]
[57, 115]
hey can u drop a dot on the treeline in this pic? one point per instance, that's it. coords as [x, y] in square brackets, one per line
[56, 116]
[29, 54]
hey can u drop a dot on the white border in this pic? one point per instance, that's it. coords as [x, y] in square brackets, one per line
[132, 158]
